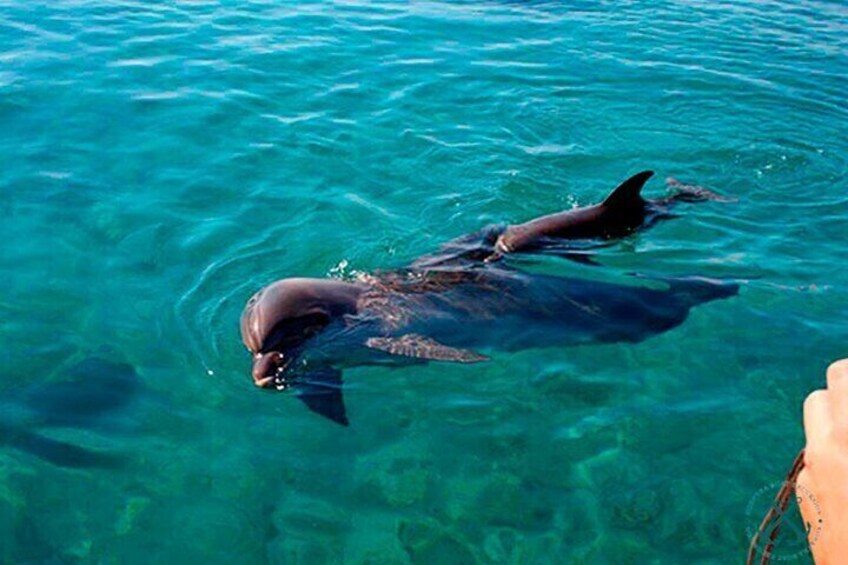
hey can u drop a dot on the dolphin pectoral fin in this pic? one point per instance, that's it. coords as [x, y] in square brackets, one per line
[422, 347]
[628, 192]
[321, 391]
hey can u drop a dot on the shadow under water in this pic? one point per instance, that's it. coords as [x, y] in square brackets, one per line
[91, 396]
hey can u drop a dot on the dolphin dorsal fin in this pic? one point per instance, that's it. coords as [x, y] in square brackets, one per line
[627, 193]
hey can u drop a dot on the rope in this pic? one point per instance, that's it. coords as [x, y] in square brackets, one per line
[781, 501]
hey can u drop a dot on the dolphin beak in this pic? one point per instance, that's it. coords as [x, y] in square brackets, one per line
[263, 383]
[267, 368]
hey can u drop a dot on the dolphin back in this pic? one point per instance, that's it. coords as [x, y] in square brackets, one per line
[629, 192]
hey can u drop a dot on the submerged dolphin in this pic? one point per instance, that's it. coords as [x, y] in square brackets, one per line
[91, 394]
[449, 306]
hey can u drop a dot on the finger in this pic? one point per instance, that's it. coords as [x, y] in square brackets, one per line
[837, 387]
[817, 421]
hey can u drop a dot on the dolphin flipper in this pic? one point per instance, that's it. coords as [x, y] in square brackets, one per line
[422, 347]
[321, 391]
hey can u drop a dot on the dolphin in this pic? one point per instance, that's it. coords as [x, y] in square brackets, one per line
[457, 305]
[302, 332]
[622, 212]
[90, 396]
[574, 233]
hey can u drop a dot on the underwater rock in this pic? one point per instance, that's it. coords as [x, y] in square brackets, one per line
[289, 550]
[394, 476]
[372, 540]
[499, 545]
[501, 501]
[28, 532]
[556, 463]
[542, 548]
[635, 508]
[574, 391]
[8, 516]
[127, 519]
[210, 530]
[701, 514]
[610, 470]
[621, 548]
[428, 542]
[79, 551]
[304, 529]
[675, 524]
[310, 517]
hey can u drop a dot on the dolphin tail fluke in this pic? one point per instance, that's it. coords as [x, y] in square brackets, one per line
[628, 192]
[697, 289]
[703, 289]
[693, 193]
[61, 453]
[321, 391]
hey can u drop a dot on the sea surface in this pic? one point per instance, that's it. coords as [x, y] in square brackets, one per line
[163, 161]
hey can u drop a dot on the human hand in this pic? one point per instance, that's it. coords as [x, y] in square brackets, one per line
[822, 486]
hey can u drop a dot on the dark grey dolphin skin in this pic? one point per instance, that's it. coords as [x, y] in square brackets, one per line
[619, 214]
[90, 393]
[574, 233]
[447, 307]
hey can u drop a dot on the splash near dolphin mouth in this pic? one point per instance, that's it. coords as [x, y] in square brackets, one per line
[281, 380]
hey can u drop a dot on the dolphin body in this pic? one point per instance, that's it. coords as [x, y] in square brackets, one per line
[574, 233]
[622, 212]
[463, 300]
[90, 396]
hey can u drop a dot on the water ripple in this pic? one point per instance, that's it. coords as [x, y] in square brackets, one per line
[165, 161]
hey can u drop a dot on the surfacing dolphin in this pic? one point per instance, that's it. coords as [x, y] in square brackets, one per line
[448, 307]
[574, 233]
[620, 214]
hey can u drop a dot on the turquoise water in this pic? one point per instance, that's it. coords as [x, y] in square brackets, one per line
[163, 162]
